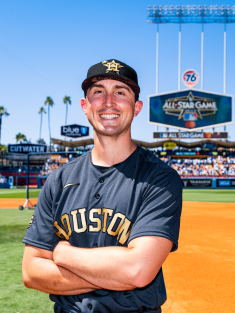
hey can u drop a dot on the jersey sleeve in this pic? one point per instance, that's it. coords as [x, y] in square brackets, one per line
[41, 232]
[160, 211]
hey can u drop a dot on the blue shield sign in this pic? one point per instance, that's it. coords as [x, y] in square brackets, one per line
[74, 131]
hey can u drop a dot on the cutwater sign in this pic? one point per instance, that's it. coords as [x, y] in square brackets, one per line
[25, 148]
[74, 131]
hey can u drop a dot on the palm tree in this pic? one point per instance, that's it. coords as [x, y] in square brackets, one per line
[20, 137]
[49, 102]
[3, 111]
[66, 101]
[3, 148]
[41, 141]
[41, 111]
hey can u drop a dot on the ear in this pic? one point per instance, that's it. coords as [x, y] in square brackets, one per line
[138, 107]
[83, 105]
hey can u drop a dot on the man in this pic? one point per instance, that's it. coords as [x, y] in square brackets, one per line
[105, 222]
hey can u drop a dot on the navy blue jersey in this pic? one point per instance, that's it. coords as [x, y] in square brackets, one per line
[141, 196]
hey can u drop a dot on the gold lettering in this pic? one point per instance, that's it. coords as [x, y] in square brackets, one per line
[60, 231]
[94, 220]
[68, 229]
[123, 233]
[106, 212]
[83, 220]
[114, 219]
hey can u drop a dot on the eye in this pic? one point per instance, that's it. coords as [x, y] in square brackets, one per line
[120, 93]
[98, 91]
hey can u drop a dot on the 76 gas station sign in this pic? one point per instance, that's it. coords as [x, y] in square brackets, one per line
[190, 78]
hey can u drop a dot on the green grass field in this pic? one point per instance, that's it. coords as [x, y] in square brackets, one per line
[18, 193]
[209, 195]
[14, 297]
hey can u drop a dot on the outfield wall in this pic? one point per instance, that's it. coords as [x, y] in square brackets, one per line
[187, 182]
[20, 178]
[208, 182]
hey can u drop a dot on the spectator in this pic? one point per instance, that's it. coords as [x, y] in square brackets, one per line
[209, 166]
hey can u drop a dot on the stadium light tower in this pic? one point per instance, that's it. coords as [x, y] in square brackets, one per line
[200, 14]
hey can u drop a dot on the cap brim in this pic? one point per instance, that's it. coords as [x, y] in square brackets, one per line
[93, 79]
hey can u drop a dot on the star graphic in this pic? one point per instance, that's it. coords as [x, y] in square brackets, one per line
[112, 66]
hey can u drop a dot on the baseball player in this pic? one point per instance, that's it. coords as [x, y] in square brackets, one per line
[105, 222]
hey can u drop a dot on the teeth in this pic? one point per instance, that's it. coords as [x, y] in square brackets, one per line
[109, 116]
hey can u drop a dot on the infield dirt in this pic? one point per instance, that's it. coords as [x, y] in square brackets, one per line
[14, 203]
[199, 276]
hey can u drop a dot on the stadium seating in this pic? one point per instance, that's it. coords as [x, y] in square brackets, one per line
[186, 167]
[211, 166]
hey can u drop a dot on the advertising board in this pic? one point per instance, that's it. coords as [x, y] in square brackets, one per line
[190, 109]
[196, 153]
[25, 148]
[169, 145]
[225, 183]
[190, 135]
[197, 182]
[208, 145]
[74, 131]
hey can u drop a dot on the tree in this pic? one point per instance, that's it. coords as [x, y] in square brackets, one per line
[49, 102]
[3, 148]
[3, 111]
[41, 141]
[66, 101]
[41, 111]
[20, 138]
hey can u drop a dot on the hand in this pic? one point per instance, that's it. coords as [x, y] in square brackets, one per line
[60, 250]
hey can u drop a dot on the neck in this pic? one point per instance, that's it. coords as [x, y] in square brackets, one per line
[109, 150]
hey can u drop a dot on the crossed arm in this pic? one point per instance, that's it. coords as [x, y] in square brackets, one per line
[70, 270]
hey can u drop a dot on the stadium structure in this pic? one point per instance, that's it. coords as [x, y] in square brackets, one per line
[203, 159]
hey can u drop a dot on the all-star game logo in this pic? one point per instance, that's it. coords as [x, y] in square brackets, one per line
[190, 108]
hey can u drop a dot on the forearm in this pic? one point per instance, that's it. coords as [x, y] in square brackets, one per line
[109, 267]
[44, 275]
[116, 268]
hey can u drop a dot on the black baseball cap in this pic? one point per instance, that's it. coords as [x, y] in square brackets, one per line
[112, 69]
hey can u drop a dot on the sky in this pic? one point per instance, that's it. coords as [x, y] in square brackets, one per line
[46, 48]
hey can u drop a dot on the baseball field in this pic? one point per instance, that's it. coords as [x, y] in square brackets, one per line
[199, 276]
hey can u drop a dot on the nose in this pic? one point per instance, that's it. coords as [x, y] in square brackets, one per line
[109, 101]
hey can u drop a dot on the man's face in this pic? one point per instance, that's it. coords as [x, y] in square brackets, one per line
[110, 107]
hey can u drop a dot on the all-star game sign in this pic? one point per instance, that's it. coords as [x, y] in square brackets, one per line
[190, 109]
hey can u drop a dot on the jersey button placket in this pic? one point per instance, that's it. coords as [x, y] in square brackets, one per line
[89, 306]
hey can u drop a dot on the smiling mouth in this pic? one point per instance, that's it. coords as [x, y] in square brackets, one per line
[109, 116]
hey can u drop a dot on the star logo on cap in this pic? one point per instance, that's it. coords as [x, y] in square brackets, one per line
[112, 66]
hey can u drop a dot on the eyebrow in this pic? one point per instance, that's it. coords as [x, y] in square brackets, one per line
[96, 85]
[123, 87]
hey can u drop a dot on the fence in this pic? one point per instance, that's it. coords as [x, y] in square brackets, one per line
[208, 182]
